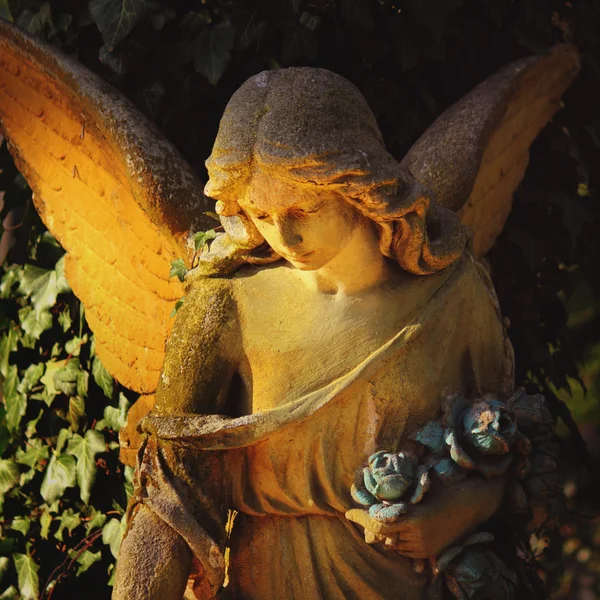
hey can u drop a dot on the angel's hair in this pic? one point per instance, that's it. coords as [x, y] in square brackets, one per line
[312, 127]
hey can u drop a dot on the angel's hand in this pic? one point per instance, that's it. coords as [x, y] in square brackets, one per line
[419, 534]
[442, 517]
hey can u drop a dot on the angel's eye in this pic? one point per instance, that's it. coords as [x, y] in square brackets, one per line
[311, 210]
[263, 217]
[314, 209]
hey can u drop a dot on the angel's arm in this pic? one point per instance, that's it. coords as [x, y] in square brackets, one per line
[179, 506]
[481, 363]
[202, 353]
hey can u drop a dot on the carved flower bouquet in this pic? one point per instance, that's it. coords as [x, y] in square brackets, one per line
[488, 437]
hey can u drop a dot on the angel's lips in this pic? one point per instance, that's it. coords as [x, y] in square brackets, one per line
[300, 258]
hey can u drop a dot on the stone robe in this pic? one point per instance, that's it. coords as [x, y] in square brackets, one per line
[288, 471]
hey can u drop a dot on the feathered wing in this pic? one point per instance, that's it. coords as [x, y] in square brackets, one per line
[475, 154]
[111, 189]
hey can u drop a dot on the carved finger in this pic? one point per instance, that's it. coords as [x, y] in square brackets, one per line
[359, 516]
[372, 538]
[410, 550]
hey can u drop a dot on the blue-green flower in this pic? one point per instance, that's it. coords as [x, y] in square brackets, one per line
[489, 427]
[389, 475]
[390, 483]
[472, 570]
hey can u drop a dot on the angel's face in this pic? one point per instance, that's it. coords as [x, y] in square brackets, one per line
[307, 227]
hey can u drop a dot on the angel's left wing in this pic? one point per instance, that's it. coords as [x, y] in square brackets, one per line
[475, 154]
[111, 189]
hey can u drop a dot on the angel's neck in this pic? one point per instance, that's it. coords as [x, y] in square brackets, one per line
[359, 266]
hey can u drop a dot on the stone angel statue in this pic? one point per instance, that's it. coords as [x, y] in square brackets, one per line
[340, 306]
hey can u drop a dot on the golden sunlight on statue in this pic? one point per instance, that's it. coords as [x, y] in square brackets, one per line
[339, 376]
[377, 312]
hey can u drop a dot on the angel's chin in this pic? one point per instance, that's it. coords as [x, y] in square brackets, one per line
[308, 264]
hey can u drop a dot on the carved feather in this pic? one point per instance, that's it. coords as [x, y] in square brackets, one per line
[111, 189]
[475, 154]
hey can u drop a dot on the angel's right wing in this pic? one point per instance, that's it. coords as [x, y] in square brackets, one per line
[113, 191]
[475, 154]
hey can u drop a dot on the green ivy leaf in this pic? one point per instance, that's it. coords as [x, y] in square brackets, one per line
[16, 409]
[309, 20]
[178, 269]
[9, 475]
[21, 524]
[27, 573]
[33, 324]
[83, 378]
[116, 18]
[203, 237]
[45, 522]
[26, 477]
[102, 377]
[5, 436]
[4, 564]
[15, 402]
[69, 520]
[115, 418]
[64, 319]
[64, 435]
[10, 277]
[116, 60]
[96, 520]
[85, 449]
[212, 51]
[8, 344]
[31, 426]
[65, 378]
[298, 42]
[76, 412]
[35, 22]
[30, 377]
[252, 33]
[128, 484]
[112, 535]
[10, 593]
[43, 286]
[85, 560]
[73, 346]
[50, 392]
[177, 306]
[61, 473]
[5, 11]
[36, 451]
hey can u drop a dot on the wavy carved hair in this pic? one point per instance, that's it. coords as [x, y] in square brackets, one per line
[314, 128]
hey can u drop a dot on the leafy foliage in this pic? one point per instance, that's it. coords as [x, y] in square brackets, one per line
[58, 434]
[116, 18]
[179, 62]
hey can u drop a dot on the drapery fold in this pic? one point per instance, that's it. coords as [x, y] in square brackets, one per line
[288, 470]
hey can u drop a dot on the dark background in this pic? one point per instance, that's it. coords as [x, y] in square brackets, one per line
[179, 62]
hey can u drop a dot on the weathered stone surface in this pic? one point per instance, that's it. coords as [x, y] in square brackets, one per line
[343, 309]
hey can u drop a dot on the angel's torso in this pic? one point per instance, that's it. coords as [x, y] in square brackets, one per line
[296, 339]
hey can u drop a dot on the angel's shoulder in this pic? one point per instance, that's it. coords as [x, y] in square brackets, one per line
[254, 281]
[208, 289]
